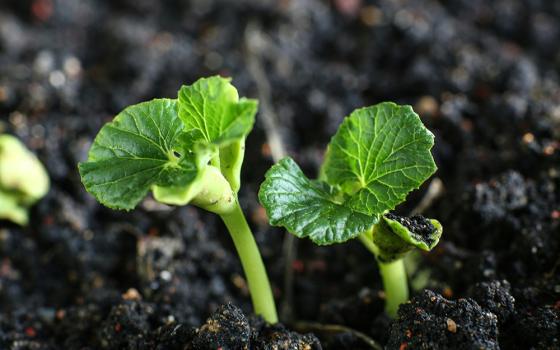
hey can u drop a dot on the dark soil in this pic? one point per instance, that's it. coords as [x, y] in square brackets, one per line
[228, 328]
[430, 321]
[483, 76]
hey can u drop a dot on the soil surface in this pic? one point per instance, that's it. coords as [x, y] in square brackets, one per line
[484, 76]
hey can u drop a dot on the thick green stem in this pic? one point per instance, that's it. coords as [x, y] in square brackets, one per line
[259, 286]
[395, 285]
[393, 275]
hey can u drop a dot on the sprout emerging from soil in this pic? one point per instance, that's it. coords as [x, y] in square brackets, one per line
[23, 180]
[184, 150]
[378, 155]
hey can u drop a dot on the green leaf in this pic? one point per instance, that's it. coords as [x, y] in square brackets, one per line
[397, 235]
[231, 160]
[209, 190]
[139, 149]
[378, 155]
[213, 112]
[211, 108]
[172, 193]
[309, 208]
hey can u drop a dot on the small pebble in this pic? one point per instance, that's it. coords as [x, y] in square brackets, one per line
[72, 66]
[132, 294]
[427, 105]
[451, 326]
[57, 79]
[371, 16]
[165, 275]
[528, 138]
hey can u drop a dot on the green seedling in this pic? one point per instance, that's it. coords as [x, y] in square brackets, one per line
[184, 150]
[23, 180]
[378, 155]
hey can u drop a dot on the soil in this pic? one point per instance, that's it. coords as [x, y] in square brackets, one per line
[483, 76]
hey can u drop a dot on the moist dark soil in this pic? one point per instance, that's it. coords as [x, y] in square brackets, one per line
[484, 76]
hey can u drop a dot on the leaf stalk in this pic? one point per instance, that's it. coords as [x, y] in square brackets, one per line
[251, 260]
[393, 275]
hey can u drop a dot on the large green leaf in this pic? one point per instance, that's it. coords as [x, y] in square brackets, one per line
[213, 112]
[378, 155]
[211, 108]
[309, 208]
[139, 149]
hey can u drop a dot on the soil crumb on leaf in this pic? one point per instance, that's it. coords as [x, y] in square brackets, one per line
[420, 227]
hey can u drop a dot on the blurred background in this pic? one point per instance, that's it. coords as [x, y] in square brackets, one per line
[483, 75]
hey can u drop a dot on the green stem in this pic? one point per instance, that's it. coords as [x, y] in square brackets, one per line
[367, 240]
[215, 161]
[393, 275]
[259, 286]
[395, 284]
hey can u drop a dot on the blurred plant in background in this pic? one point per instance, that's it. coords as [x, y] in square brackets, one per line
[23, 180]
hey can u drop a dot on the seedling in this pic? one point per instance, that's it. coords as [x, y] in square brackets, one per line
[23, 180]
[378, 155]
[184, 150]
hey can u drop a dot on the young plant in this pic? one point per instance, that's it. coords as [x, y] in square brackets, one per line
[378, 155]
[23, 180]
[185, 150]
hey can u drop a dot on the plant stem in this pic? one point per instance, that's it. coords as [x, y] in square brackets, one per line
[367, 240]
[259, 285]
[215, 161]
[393, 275]
[395, 284]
